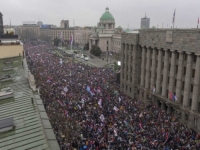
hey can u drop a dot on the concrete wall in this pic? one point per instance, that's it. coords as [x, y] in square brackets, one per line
[103, 44]
[130, 70]
[10, 50]
[182, 39]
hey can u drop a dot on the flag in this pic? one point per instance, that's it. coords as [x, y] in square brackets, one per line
[88, 88]
[61, 103]
[71, 39]
[115, 108]
[102, 117]
[66, 113]
[172, 96]
[173, 20]
[100, 102]
[61, 37]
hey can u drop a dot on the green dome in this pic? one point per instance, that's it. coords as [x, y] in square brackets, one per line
[127, 30]
[153, 27]
[107, 16]
[119, 27]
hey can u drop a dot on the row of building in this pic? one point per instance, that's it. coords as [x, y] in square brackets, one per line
[162, 67]
[105, 34]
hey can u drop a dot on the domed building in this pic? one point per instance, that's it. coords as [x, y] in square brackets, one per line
[105, 35]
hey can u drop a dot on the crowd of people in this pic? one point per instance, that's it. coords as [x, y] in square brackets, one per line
[88, 112]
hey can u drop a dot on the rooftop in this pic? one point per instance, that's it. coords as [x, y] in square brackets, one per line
[107, 16]
[32, 128]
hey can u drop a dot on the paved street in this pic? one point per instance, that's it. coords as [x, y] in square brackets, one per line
[94, 61]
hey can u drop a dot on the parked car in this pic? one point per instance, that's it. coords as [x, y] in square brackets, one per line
[82, 56]
[86, 58]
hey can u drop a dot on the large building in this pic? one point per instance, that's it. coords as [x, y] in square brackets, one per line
[1, 23]
[159, 65]
[105, 35]
[29, 30]
[64, 24]
[145, 23]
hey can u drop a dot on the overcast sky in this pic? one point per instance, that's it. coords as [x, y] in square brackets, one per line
[88, 12]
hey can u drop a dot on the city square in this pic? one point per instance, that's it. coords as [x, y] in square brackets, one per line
[109, 86]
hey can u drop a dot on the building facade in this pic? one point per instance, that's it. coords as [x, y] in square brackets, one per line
[64, 24]
[158, 63]
[105, 35]
[29, 31]
[1, 23]
[145, 23]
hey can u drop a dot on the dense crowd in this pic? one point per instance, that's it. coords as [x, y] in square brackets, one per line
[88, 112]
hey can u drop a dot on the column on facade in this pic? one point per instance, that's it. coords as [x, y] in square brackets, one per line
[165, 73]
[172, 72]
[143, 67]
[179, 77]
[93, 42]
[147, 69]
[159, 71]
[186, 93]
[195, 96]
[153, 69]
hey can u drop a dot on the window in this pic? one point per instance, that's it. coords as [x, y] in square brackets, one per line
[184, 71]
[191, 89]
[181, 99]
[193, 73]
[199, 107]
[177, 56]
[186, 56]
[126, 87]
[176, 69]
[190, 102]
[107, 42]
[130, 89]
[195, 58]
[183, 85]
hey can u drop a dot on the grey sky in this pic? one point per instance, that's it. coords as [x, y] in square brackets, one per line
[88, 12]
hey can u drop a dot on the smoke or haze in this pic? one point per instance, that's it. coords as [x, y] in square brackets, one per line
[87, 12]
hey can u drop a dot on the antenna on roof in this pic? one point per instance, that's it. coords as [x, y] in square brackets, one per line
[10, 23]
[145, 15]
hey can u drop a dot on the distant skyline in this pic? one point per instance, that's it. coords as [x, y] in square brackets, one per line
[88, 12]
